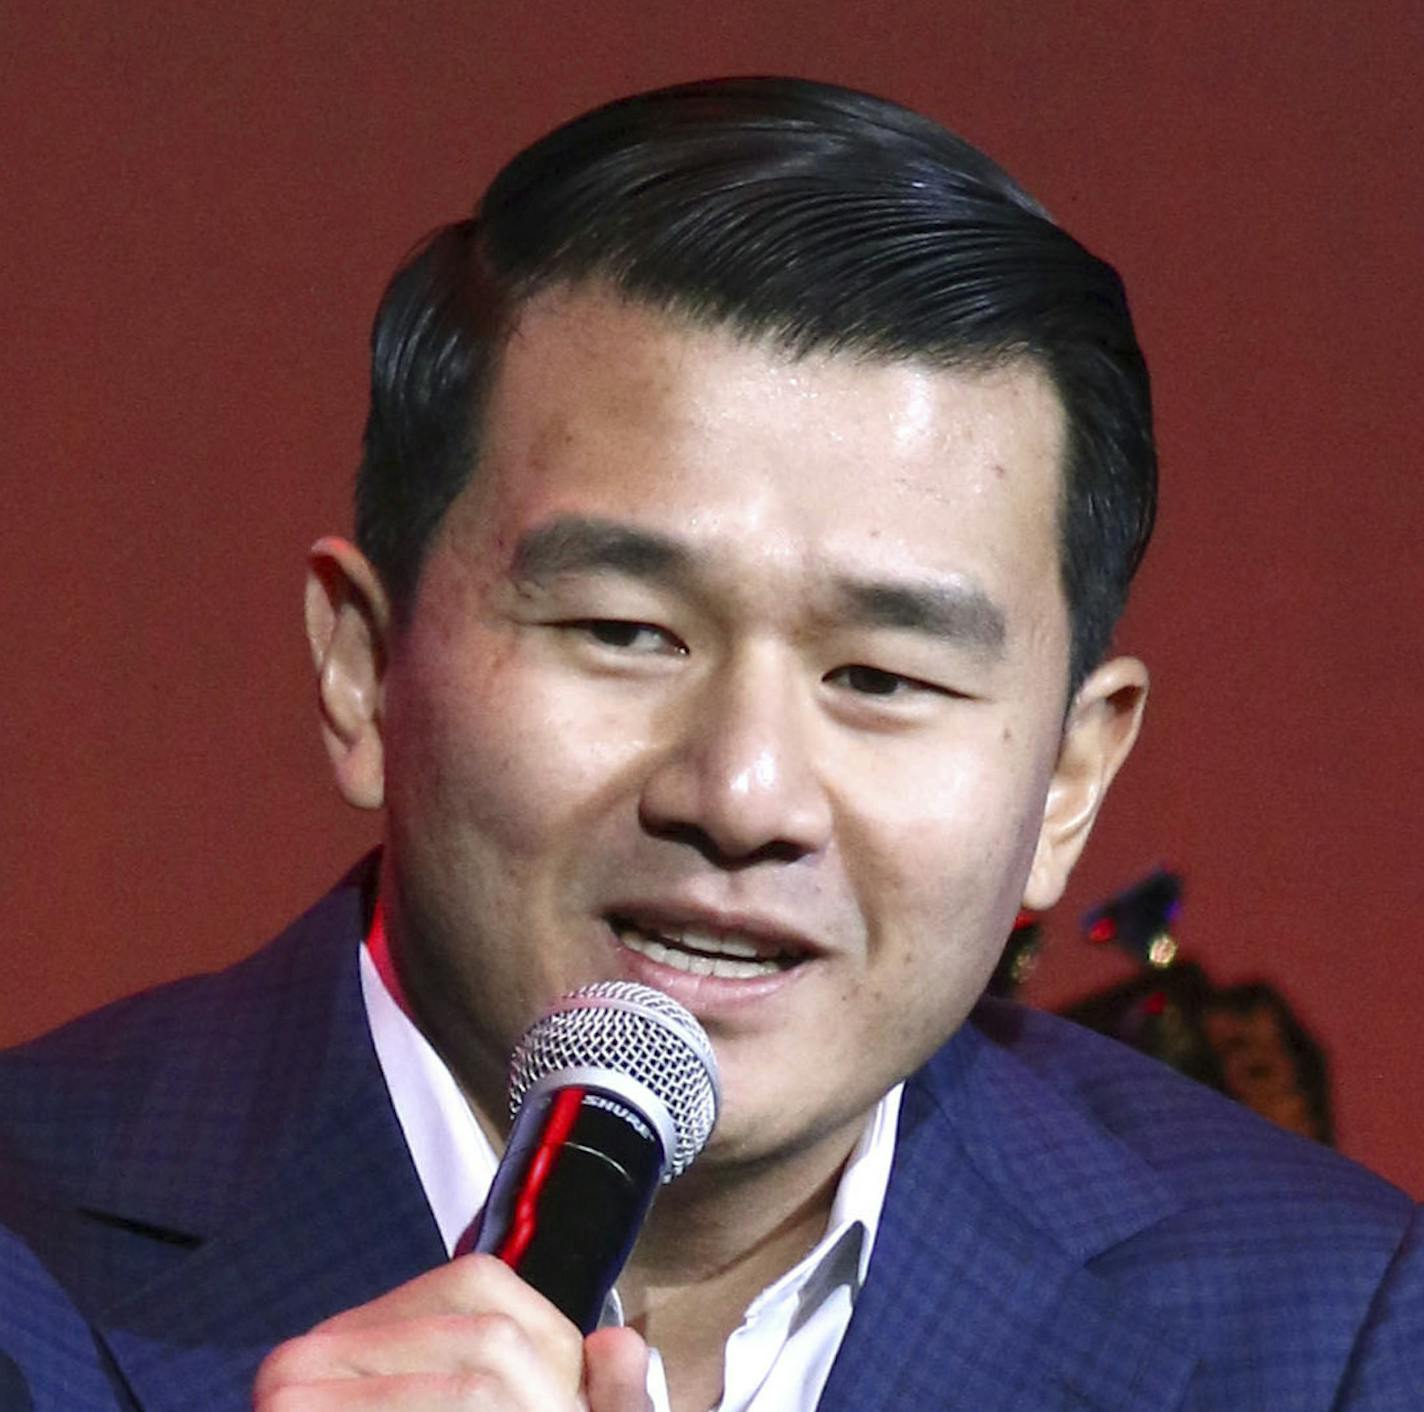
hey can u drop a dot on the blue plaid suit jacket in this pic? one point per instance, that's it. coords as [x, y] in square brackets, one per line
[194, 1175]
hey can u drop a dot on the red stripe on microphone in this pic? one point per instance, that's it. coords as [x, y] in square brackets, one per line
[563, 1113]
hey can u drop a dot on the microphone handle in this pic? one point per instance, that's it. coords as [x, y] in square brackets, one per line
[577, 1177]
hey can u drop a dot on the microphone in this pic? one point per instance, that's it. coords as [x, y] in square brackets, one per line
[614, 1091]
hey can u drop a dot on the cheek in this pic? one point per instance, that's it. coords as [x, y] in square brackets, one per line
[504, 758]
[940, 843]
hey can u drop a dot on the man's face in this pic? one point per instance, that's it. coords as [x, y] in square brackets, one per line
[739, 676]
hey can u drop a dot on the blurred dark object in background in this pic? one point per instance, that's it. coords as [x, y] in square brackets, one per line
[1244, 1039]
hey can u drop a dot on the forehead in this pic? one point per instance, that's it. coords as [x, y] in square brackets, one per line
[609, 408]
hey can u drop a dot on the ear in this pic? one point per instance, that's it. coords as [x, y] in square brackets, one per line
[1101, 729]
[348, 623]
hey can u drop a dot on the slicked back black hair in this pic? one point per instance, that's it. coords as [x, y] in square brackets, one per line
[816, 217]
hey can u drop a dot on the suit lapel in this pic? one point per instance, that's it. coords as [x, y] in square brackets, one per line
[977, 1295]
[273, 1190]
[344, 1221]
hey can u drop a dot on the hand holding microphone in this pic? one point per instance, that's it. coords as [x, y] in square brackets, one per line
[615, 1091]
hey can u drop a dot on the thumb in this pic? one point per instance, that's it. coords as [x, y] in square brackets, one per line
[615, 1371]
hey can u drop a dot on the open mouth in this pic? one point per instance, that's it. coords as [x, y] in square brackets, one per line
[702, 953]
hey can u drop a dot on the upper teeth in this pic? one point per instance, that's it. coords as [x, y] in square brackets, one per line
[715, 945]
[700, 953]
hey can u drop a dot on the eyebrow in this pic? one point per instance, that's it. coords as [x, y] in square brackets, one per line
[959, 613]
[574, 544]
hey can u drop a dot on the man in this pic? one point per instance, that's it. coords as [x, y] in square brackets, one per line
[749, 493]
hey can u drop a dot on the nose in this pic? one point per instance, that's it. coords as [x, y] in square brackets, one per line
[739, 778]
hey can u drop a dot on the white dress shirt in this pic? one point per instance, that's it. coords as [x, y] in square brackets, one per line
[780, 1356]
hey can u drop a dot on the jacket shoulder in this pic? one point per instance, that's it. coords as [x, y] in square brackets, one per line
[1294, 1271]
[186, 1056]
[1205, 1146]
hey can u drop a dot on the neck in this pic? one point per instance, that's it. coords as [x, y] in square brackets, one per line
[714, 1240]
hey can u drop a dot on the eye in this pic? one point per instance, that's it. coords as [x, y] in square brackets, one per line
[873, 681]
[626, 636]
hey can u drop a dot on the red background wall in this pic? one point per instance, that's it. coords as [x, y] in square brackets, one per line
[201, 202]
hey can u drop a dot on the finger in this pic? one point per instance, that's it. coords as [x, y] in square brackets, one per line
[473, 1318]
[411, 1392]
[616, 1372]
[497, 1374]
[471, 1285]
[441, 1343]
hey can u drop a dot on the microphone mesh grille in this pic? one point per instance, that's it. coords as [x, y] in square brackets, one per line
[635, 1031]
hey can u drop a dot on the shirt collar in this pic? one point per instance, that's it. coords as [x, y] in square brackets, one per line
[842, 1255]
[453, 1158]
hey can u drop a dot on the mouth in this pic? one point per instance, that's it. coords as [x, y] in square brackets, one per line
[700, 951]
